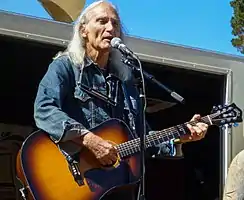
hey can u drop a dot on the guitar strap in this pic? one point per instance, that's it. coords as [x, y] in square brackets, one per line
[131, 112]
[117, 90]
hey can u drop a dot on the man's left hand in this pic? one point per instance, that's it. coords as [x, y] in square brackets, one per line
[198, 131]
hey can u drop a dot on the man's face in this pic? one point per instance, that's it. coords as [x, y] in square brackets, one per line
[103, 24]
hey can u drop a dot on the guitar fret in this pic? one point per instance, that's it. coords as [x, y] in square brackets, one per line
[158, 137]
[154, 141]
[127, 152]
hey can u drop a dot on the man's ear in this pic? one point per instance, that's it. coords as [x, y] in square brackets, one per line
[83, 31]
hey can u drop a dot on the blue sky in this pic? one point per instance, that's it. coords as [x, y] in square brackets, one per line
[196, 23]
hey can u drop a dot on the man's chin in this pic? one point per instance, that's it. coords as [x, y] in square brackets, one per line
[105, 48]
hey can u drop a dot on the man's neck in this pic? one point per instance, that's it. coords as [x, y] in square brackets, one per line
[100, 58]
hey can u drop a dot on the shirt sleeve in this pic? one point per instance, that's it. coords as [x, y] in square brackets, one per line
[48, 113]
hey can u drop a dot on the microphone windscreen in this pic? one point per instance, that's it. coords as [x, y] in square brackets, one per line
[115, 42]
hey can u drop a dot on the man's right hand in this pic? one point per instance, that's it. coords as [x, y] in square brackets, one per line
[105, 152]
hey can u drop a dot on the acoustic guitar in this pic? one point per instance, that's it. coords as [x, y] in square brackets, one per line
[49, 173]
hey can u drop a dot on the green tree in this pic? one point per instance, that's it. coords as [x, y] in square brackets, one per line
[237, 24]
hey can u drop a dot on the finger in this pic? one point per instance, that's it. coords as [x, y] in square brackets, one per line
[107, 160]
[113, 154]
[101, 156]
[202, 126]
[106, 152]
[197, 130]
[114, 150]
[108, 145]
[200, 129]
[102, 161]
[186, 138]
[113, 158]
[190, 127]
[196, 117]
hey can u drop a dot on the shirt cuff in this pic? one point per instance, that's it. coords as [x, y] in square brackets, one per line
[73, 130]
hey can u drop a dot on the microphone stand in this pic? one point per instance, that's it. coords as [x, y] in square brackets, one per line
[140, 74]
[142, 122]
[130, 62]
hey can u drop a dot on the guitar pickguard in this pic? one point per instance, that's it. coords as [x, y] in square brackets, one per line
[98, 179]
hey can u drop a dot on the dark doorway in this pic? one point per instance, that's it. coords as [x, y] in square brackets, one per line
[197, 176]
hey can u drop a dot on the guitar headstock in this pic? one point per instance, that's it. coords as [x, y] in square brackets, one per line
[228, 114]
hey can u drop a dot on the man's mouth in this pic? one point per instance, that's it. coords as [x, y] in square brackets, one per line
[109, 38]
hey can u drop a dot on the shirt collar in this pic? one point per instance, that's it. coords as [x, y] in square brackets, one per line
[88, 62]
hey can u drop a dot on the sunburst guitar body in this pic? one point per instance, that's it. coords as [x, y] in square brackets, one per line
[45, 170]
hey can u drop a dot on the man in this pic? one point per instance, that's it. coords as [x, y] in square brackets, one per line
[65, 110]
[234, 187]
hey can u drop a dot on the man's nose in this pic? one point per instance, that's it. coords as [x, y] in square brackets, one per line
[110, 27]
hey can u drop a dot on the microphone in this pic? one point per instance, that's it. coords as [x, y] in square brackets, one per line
[118, 44]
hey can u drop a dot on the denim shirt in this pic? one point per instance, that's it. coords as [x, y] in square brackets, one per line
[65, 111]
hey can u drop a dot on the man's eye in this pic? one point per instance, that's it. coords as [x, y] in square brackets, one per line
[116, 24]
[102, 21]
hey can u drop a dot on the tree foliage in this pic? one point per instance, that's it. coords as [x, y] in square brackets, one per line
[237, 24]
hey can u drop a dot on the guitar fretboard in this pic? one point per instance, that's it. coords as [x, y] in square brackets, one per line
[157, 137]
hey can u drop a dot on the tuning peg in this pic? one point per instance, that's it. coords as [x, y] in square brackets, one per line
[230, 108]
[214, 109]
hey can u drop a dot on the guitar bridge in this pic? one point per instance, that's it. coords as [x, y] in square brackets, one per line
[74, 168]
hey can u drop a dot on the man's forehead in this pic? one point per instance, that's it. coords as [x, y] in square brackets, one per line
[103, 11]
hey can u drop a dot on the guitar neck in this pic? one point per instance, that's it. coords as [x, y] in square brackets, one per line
[133, 146]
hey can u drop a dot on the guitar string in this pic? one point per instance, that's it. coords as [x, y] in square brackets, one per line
[160, 136]
[132, 146]
[155, 135]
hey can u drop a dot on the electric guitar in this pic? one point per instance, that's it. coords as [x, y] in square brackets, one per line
[49, 173]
